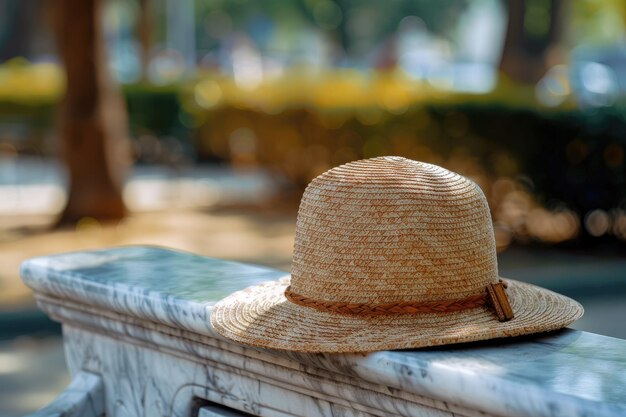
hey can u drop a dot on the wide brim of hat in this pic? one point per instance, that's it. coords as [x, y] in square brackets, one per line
[261, 316]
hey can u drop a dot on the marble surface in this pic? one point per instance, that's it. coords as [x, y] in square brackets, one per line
[214, 411]
[568, 373]
[150, 373]
[157, 284]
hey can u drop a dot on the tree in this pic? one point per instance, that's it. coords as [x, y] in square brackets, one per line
[533, 30]
[92, 117]
[144, 35]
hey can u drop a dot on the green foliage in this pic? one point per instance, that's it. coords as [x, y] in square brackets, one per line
[560, 159]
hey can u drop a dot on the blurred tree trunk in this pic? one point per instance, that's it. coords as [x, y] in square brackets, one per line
[144, 34]
[533, 32]
[92, 117]
[16, 27]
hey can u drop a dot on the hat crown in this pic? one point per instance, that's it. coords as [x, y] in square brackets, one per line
[390, 229]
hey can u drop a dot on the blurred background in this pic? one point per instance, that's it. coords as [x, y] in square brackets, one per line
[196, 125]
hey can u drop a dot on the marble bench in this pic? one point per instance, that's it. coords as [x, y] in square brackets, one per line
[138, 343]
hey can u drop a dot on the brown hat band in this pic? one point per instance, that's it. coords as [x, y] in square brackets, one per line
[494, 296]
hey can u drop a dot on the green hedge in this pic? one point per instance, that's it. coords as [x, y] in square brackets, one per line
[565, 158]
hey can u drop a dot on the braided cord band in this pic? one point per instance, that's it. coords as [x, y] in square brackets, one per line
[405, 307]
[400, 307]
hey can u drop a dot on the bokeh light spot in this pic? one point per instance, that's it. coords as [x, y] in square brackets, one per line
[597, 222]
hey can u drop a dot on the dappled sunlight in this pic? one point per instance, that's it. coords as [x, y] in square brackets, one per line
[11, 362]
[35, 187]
[258, 238]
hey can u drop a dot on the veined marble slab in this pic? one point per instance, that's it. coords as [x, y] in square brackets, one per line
[567, 373]
[166, 286]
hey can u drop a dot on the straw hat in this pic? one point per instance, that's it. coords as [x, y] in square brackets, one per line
[390, 253]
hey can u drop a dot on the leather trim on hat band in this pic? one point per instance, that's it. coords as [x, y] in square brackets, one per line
[494, 297]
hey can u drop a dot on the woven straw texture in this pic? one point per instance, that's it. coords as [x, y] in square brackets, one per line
[388, 230]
